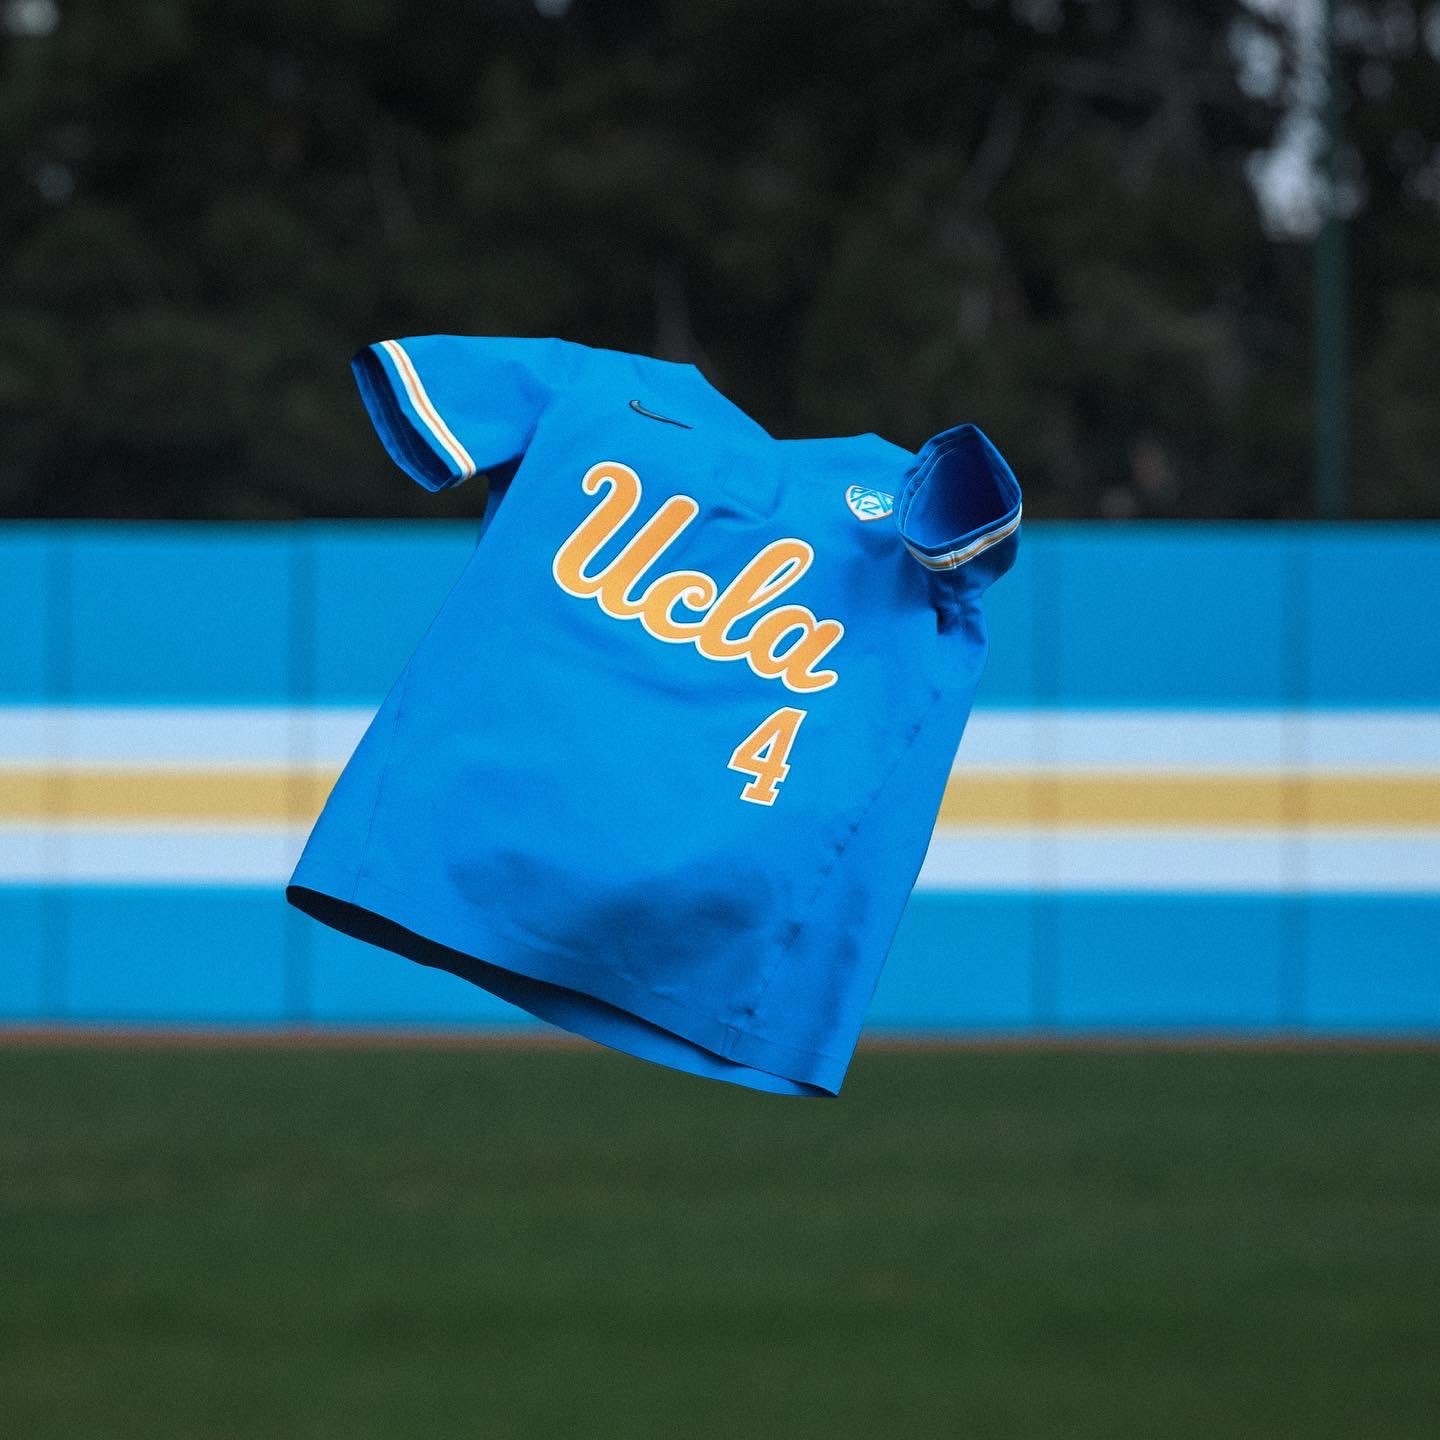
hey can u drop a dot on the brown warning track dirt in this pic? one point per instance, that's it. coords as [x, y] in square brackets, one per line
[145, 1037]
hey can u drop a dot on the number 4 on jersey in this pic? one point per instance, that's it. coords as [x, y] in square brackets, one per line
[762, 754]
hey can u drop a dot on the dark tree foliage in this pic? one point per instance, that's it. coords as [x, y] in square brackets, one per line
[1034, 214]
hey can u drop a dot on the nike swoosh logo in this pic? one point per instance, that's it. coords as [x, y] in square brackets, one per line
[639, 409]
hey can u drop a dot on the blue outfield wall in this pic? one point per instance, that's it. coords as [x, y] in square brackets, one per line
[1167, 623]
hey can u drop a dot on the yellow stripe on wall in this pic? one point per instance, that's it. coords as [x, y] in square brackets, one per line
[978, 800]
[95, 793]
[1158, 801]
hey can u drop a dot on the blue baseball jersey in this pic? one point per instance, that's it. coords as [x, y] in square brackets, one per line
[664, 767]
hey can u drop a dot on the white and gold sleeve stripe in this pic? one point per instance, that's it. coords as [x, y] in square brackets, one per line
[424, 407]
[952, 559]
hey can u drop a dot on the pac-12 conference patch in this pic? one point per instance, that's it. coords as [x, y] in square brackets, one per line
[868, 504]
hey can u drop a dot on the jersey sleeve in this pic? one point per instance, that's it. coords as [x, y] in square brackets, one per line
[447, 407]
[959, 512]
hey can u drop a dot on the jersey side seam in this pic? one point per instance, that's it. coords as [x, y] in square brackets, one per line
[380, 780]
[829, 867]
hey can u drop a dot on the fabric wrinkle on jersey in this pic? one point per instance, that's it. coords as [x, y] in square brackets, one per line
[664, 767]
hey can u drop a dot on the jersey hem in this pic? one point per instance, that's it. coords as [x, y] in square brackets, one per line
[479, 941]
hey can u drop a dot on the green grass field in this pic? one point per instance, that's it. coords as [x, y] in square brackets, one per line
[437, 1243]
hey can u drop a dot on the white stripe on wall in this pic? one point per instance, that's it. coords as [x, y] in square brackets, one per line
[1251, 862]
[179, 735]
[1030, 740]
[1359, 862]
[1198, 740]
[129, 854]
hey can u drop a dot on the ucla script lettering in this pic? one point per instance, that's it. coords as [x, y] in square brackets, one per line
[717, 632]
